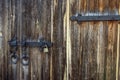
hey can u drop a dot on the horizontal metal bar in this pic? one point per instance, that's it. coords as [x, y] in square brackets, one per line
[80, 18]
[30, 44]
[38, 44]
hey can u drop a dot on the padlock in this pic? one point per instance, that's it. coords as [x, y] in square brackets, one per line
[45, 50]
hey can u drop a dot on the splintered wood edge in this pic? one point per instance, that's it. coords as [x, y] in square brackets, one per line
[118, 45]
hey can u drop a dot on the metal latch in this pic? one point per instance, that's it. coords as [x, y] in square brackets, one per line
[80, 18]
[41, 43]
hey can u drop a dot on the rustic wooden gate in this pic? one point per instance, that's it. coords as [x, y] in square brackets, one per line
[80, 51]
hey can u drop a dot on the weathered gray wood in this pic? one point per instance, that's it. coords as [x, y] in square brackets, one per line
[81, 51]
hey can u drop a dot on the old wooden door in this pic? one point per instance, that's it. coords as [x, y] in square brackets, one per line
[80, 51]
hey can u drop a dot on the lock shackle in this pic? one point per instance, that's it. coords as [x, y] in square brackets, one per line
[25, 60]
[14, 58]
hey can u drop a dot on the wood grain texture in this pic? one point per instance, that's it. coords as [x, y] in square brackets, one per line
[81, 51]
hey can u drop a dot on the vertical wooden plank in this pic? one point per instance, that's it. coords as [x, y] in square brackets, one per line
[111, 54]
[68, 42]
[83, 36]
[25, 7]
[17, 15]
[33, 30]
[26, 21]
[58, 40]
[105, 36]
[10, 16]
[85, 67]
[44, 23]
[92, 42]
[74, 44]
[20, 34]
[102, 40]
[51, 55]
[5, 37]
[2, 55]
[118, 47]
[46, 34]
[75, 41]
[39, 25]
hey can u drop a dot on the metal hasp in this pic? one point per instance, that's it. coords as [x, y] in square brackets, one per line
[25, 43]
[80, 18]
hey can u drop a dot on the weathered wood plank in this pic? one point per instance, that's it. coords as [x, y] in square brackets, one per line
[118, 47]
[81, 51]
[92, 44]
[75, 39]
[5, 37]
[111, 54]
[1, 49]
[58, 40]
[102, 43]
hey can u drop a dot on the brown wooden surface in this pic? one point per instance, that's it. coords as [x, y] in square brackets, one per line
[81, 51]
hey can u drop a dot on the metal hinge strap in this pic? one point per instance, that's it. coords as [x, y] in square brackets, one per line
[80, 18]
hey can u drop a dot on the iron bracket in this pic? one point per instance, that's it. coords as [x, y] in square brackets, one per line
[80, 18]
